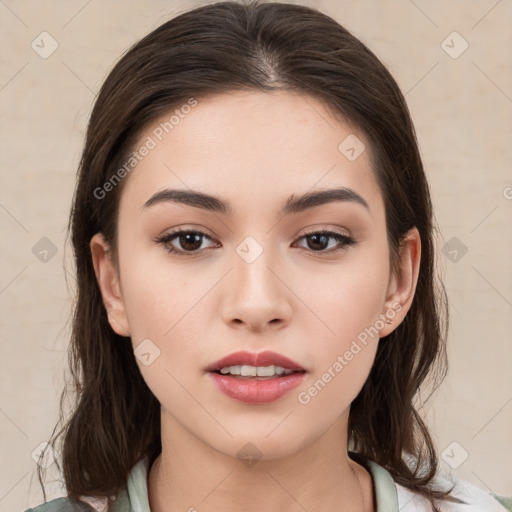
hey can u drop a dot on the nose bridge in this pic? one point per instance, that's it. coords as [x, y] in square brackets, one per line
[256, 295]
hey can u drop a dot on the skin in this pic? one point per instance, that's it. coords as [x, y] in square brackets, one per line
[302, 300]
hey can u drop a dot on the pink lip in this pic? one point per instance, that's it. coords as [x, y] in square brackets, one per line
[266, 358]
[255, 391]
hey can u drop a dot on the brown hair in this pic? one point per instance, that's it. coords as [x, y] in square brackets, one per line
[214, 49]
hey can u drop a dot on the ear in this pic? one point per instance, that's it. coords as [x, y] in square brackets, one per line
[109, 284]
[402, 283]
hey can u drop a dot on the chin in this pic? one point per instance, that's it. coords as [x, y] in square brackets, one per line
[254, 445]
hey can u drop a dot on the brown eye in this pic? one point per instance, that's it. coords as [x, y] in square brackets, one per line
[188, 241]
[319, 241]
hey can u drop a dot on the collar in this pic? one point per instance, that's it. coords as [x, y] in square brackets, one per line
[134, 498]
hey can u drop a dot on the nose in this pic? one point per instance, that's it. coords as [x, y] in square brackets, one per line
[256, 296]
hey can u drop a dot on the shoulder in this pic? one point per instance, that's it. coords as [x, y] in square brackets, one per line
[62, 505]
[390, 495]
[121, 503]
[470, 498]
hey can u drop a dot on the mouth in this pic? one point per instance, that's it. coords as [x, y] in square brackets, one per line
[251, 364]
[255, 378]
[256, 390]
[247, 372]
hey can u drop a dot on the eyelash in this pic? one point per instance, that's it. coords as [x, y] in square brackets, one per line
[165, 240]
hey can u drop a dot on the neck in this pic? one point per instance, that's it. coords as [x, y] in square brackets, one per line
[191, 475]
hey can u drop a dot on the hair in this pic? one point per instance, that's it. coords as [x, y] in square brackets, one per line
[215, 49]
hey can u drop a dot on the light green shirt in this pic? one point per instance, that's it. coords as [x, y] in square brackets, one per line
[389, 496]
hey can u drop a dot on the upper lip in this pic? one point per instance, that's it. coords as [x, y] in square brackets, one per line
[267, 358]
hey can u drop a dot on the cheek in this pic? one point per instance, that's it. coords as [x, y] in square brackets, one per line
[344, 301]
[343, 334]
[341, 360]
[166, 309]
[330, 391]
[166, 317]
[159, 298]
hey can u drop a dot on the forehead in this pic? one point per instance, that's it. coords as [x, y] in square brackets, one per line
[254, 146]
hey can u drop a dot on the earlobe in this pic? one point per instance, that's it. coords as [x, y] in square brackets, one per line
[402, 284]
[108, 282]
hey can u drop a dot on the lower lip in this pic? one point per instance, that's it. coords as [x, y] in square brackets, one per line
[254, 391]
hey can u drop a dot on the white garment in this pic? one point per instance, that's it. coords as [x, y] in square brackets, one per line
[477, 500]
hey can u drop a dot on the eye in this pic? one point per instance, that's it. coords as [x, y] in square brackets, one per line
[189, 240]
[319, 241]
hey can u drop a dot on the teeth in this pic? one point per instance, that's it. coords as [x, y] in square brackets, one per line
[255, 371]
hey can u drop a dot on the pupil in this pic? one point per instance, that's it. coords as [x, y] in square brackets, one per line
[189, 240]
[317, 237]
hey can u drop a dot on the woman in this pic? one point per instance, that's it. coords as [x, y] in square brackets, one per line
[257, 303]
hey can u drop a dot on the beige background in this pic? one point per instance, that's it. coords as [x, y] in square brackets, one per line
[462, 108]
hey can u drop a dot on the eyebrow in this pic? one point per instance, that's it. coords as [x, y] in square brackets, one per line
[292, 205]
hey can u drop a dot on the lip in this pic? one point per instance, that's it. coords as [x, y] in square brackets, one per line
[266, 358]
[254, 391]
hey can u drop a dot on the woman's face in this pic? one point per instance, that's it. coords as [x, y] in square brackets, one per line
[258, 275]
